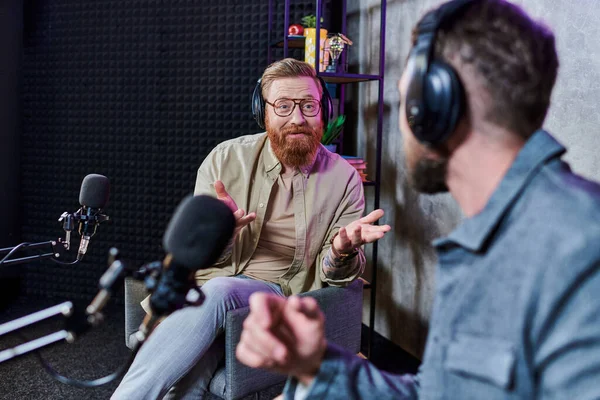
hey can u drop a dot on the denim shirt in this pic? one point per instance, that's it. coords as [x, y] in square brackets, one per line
[517, 306]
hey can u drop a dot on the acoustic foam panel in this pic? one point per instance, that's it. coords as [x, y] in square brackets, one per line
[139, 91]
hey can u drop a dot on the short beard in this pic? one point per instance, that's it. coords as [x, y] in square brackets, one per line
[429, 176]
[298, 152]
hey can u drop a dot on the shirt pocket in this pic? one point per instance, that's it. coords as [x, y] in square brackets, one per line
[490, 360]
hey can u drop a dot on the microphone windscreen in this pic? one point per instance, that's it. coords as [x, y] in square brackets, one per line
[94, 192]
[199, 231]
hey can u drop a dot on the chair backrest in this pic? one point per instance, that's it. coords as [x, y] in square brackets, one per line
[135, 292]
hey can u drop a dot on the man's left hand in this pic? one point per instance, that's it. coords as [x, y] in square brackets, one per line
[360, 232]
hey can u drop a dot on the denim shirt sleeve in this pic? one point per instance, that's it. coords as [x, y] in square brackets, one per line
[566, 336]
[346, 376]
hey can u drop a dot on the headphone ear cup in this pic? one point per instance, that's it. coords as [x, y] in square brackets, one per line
[326, 103]
[328, 108]
[443, 99]
[258, 105]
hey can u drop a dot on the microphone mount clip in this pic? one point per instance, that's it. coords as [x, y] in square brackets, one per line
[83, 217]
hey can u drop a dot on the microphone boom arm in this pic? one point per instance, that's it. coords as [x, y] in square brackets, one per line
[10, 250]
[65, 309]
[80, 216]
[77, 322]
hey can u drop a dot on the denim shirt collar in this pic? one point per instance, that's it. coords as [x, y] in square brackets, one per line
[473, 233]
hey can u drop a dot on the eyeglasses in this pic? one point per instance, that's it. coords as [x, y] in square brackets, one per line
[285, 107]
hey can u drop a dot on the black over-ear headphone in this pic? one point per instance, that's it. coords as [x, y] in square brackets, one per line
[258, 104]
[435, 96]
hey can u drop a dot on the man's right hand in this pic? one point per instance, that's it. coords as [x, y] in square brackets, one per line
[284, 335]
[241, 219]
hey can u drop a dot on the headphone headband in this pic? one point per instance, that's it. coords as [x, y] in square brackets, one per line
[433, 20]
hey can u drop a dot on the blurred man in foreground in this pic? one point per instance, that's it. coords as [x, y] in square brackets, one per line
[516, 312]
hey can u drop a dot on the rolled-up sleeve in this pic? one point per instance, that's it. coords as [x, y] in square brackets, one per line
[350, 209]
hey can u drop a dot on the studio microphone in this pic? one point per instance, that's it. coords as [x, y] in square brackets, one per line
[195, 238]
[93, 196]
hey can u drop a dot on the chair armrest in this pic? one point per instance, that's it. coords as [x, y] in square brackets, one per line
[343, 319]
[343, 313]
[135, 292]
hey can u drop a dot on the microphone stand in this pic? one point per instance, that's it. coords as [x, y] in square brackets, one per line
[65, 309]
[150, 274]
[76, 322]
[81, 216]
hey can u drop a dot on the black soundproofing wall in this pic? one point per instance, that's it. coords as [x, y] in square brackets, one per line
[11, 33]
[139, 91]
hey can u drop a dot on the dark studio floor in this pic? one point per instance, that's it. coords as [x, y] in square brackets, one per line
[102, 350]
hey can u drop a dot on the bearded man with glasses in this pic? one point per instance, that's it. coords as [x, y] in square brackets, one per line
[303, 230]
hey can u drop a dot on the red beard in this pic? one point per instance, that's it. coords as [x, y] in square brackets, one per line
[296, 152]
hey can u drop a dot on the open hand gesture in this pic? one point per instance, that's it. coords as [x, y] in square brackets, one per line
[360, 232]
[241, 219]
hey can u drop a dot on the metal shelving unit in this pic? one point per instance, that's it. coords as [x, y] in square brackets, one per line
[343, 78]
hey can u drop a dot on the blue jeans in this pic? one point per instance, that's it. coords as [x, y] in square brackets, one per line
[182, 353]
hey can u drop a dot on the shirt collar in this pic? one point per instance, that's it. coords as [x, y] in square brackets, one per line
[474, 232]
[272, 164]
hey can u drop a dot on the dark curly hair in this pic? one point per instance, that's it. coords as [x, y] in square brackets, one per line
[514, 56]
